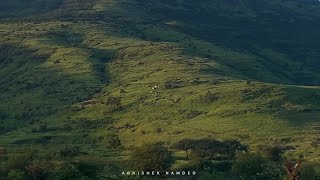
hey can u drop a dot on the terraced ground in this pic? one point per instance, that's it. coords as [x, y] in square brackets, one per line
[81, 73]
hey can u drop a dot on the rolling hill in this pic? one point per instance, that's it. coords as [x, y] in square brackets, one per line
[82, 73]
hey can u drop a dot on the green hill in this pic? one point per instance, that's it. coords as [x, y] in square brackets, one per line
[80, 73]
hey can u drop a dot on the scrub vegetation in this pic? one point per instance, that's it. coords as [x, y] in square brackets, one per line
[89, 89]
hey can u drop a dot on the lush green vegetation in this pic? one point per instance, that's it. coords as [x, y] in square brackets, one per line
[90, 84]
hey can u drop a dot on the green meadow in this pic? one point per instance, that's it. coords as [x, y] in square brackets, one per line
[87, 81]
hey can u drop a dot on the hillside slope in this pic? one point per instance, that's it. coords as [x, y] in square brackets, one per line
[83, 73]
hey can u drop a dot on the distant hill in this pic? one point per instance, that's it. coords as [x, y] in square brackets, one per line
[23, 8]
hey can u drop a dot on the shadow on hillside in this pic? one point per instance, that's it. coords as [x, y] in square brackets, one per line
[18, 8]
[245, 29]
[289, 29]
[98, 57]
[30, 91]
[304, 119]
[236, 31]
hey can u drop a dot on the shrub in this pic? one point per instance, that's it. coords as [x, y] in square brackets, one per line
[43, 127]
[309, 171]
[115, 142]
[85, 167]
[249, 165]
[192, 114]
[111, 170]
[197, 159]
[89, 166]
[275, 153]
[254, 166]
[212, 149]
[216, 176]
[154, 157]
[17, 175]
[66, 171]
[3, 151]
[172, 84]
[38, 170]
[222, 166]
[158, 130]
[316, 143]
[17, 161]
[114, 103]
[70, 151]
[234, 146]
[209, 97]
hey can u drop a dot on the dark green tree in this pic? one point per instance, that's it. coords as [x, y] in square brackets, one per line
[155, 157]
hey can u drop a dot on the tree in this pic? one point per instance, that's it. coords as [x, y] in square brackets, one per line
[248, 166]
[83, 168]
[275, 153]
[210, 148]
[256, 167]
[234, 146]
[184, 144]
[155, 157]
[293, 169]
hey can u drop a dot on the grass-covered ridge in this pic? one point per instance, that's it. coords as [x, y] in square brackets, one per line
[90, 74]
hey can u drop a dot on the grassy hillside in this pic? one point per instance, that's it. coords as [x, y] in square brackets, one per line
[84, 73]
